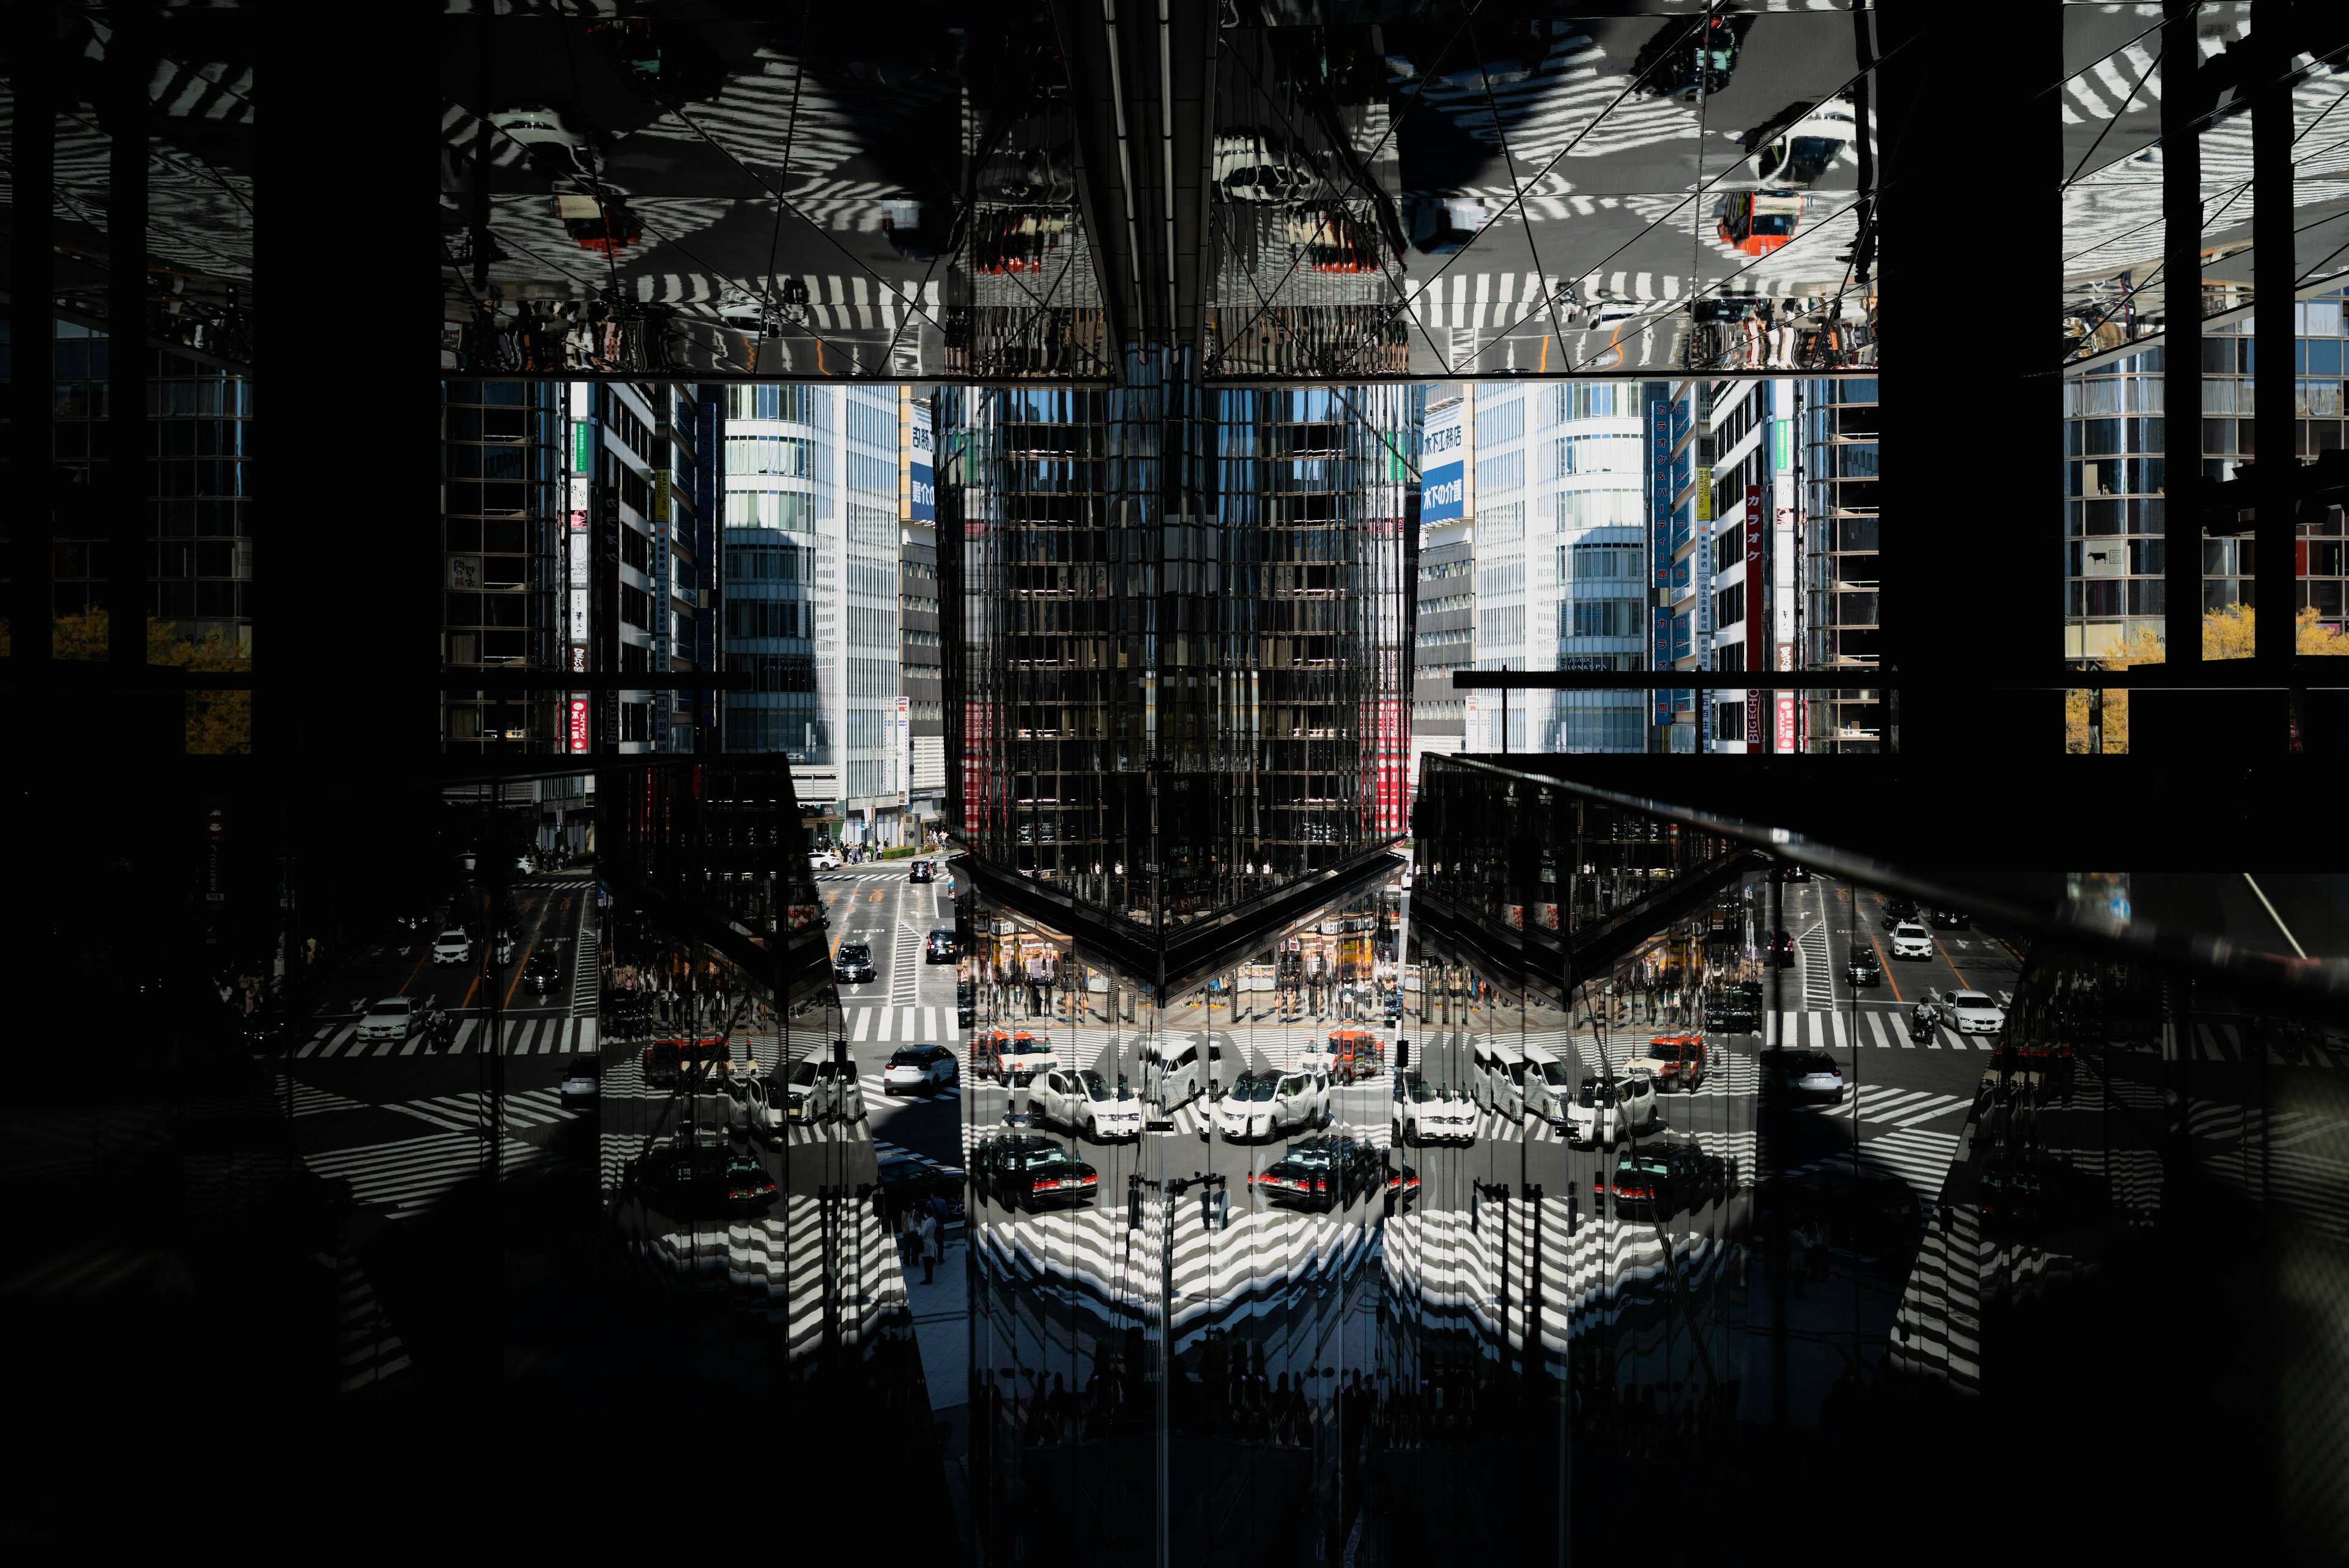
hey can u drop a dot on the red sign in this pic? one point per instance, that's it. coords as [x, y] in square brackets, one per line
[579, 723]
[1785, 720]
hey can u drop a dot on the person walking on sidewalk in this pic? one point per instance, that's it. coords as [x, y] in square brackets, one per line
[933, 1246]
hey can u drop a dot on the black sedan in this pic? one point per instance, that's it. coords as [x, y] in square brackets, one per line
[1863, 970]
[1035, 1171]
[1782, 949]
[1898, 909]
[922, 871]
[942, 947]
[542, 972]
[1664, 1178]
[1401, 1182]
[1321, 1173]
[1949, 920]
[854, 963]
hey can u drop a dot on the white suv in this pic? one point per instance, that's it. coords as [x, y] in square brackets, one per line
[451, 946]
[1086, 1103]
[1425, 1114]
[1264, 1104]
[1602, 1112]
[824, 860]
[1911, 940]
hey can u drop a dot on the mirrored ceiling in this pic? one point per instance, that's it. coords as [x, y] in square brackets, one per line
[1300, 191]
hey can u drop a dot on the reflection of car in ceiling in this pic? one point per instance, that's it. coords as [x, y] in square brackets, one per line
[606, 228]
[1756, 222]
[547, 135]
[664, 61]
[1255, 166]
[1799, 148]
[1690, 57]
[1331, 239]
[1440, 226]
[1004, 242]
[917, 231]
[1038, 176]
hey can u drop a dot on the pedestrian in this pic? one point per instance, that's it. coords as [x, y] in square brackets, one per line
[933, 1246]
[1799, 1242]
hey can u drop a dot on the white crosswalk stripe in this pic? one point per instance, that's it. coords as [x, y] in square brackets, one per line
[459, 1113]
[310, 1101]
[411, 1173]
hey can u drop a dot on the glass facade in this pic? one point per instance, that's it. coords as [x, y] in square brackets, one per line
[502, 525]
[1181, 655]
[2114, 481]
[778, 445]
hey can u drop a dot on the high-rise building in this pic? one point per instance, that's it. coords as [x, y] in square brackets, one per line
[504, 554]
[863, 578]
[778, 445]
[1180, 655]
[1444, 627]
[2115, 481]
[1586, 555]
[921, 726]
[1836, 482]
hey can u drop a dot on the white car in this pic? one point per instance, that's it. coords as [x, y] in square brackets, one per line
[451, 946]
[553, 145]
[824, 860]
[1911, 940]
[581, 1086]
[1086, 1103]
[1800, 154]
[393, 1018]
[1266, 1104]
[1602, 1112]
[1427, 1113]
[918, 1070]
[502, 948]
[1972, 1013]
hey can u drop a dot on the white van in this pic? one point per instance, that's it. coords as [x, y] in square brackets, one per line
[1173, 1067]
[1548, 1087]
[1498, 1078]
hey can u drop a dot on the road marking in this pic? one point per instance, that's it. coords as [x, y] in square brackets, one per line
[464, 1033]
[1963, 983]
[930, 1023]
[864, 1023]
[1841, 1043]
[421, 960]
[1884, 967]
[1875, 1027]
[885, 1020]
[908, 1031]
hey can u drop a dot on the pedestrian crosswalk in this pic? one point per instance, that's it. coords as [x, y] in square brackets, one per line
[409, 1174]
[1878, 1027]
[1898, 1107]
[907, 1024]
[309, 1101]
[371, 1350]
[1919, 1156]
[462, 1113]
[524, 1036]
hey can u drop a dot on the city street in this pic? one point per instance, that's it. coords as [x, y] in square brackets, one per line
[399, 1119]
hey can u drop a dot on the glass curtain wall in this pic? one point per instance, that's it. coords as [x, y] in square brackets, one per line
[1183, 619]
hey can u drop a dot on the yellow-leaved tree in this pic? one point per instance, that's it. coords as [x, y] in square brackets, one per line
[219, 723]
[2229, 633]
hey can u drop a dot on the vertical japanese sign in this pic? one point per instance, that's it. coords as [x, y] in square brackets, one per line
[905, 756]
[578, 724]
[1659, 529]
[922, 493]
[1753, 603]
[1783, 577]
